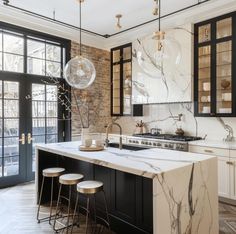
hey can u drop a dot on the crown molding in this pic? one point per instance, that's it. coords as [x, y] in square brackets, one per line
[199, 13]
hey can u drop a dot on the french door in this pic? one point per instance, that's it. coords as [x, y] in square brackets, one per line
[29, 114]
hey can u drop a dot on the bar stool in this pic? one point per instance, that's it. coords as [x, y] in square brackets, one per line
[49, 173]
[89, 188]
[66, 180]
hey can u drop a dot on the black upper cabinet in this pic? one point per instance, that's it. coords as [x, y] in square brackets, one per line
[121, 80]
[215, 67]
[121, 83]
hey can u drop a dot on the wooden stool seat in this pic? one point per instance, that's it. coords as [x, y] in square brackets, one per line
[70, 179]
[53, 172]
[89, 187]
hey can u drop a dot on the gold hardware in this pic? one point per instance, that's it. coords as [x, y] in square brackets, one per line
[118, 24]
[208, 151]
[22, 139]
[230, 163]
[29, 138]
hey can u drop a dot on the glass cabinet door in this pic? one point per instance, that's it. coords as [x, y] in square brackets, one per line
[116, 107]
[121, 80]
[224, 68]
[204, 80]
[127, 88]
[214, 67]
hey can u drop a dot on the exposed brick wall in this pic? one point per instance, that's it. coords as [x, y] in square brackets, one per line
[98, 94]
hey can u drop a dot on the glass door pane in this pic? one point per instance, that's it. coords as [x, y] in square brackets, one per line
[204, 79]
[224, 77]
[44, 115]
[10, 134]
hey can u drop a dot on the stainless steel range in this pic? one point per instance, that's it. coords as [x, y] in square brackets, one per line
[163, 141]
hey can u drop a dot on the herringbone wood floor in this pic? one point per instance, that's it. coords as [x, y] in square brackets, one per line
[18, 212]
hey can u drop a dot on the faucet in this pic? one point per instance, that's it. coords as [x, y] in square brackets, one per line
[229, 129]
[107, 132]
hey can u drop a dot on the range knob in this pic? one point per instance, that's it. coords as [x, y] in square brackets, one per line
[154, 144]
[130, 141]
[166, 145]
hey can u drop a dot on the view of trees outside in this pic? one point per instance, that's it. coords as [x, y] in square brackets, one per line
[44, 59]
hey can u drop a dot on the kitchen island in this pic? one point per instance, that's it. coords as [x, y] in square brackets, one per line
[149, 191]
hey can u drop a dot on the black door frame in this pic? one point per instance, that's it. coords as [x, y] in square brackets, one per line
[64, 129]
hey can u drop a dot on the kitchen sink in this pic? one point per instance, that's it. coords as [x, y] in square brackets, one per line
[127, 147]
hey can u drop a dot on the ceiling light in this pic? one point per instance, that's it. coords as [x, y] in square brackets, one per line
[157, 55]
[118, 25]
[80, 72]
[156, 8]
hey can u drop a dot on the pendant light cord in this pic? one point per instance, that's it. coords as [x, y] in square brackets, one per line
[80, 29]
[159, 15]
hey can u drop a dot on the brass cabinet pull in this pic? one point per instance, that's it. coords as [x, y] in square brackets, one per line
[29, 138]
[208, 151]
[230, 163]
[22, 139]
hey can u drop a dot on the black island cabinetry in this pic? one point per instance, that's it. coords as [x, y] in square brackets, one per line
[129, 196]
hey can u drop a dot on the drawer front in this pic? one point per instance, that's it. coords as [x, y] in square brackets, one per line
[233, 154]
[209, 151]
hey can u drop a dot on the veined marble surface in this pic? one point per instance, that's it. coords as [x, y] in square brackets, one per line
[215, 144]
[147, 163]
[185, 193]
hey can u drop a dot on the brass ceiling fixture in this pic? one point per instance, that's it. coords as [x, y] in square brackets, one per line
[156, 8]
[159, 35]
[118, 25]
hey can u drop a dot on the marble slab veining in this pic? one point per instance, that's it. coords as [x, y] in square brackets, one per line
[185, 193]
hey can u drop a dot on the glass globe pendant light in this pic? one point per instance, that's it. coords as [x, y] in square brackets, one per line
[157, 55]
[80, 72]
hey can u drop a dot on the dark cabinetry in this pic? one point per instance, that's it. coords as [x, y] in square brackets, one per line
[121, 82]
[129, 196]
[215, 67]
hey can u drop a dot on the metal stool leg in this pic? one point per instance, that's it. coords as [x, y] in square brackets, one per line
[105, 201]
[68, 212]
[50, 216]
[87, 214]
[75, 211]
[95, 212]
[58, 200]
[40, 198]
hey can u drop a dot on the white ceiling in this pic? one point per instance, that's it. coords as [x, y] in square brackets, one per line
[99, 16]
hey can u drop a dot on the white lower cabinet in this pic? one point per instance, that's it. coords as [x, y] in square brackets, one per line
[232, 170]
[226, 169]
[224, 177]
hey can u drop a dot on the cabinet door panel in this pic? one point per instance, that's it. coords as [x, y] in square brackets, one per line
[223, 177]
[124, 193]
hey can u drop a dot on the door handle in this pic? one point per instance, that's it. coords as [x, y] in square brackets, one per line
[22, 139]
[29, 138]
[230, 163]
[208, 151]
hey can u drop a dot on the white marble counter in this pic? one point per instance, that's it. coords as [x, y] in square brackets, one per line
[146, 163]
[184, 184]
[215, 144]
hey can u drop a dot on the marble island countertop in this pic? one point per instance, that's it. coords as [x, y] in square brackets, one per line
[147, 163]
[215, 144]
